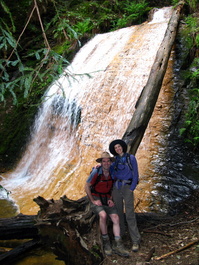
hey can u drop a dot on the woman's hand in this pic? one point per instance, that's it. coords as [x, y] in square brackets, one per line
[97, 166]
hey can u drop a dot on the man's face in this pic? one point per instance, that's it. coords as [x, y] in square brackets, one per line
[106, 163]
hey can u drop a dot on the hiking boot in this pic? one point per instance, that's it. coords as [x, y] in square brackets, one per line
[107, 247]
[118, 248]
[135, 247]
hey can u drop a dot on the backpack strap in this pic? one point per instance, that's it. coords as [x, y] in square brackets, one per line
[97, 179]
[128, 159]
[116, 164]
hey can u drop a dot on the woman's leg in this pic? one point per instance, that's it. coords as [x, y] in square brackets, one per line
[118, 200]
[130, 214]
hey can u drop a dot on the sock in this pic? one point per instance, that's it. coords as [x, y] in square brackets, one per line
[105, 236]
[117, 238]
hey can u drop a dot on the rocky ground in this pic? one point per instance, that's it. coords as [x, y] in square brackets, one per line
[166, 239]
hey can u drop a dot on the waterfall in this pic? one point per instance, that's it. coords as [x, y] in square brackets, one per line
[89, 106]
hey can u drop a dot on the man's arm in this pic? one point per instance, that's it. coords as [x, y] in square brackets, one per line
[88, 189]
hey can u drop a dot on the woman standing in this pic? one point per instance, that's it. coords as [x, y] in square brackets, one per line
[125, 172]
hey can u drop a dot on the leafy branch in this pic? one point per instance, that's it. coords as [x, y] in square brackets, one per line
[26, 76]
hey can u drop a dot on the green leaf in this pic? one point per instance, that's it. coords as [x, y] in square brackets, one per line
[27, 85]
[14, 63]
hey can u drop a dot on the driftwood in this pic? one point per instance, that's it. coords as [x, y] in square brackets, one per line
[148, 98]
[177, 250]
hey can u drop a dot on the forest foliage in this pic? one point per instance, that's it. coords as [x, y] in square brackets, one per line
[191, 125]
[39, 38]
[36, 54]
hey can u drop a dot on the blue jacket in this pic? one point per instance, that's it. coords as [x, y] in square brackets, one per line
[122, 173]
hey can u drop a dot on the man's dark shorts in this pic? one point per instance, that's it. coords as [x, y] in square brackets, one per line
[109, 210]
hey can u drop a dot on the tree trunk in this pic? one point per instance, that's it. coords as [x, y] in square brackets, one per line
[148, 98]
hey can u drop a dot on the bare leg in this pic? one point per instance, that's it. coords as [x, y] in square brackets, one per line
[116, 224]
[102, 222]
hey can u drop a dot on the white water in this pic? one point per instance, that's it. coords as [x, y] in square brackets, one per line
[59, 157]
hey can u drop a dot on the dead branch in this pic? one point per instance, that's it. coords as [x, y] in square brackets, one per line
[177, 250]
[183, 223]
[149, 256]
[172, 224]
[18, 227]
[155, 232]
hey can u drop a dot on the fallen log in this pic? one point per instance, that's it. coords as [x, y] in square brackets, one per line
[149, 95]
[18, 252]
[177, 250]
[62, 225]
[18, 227]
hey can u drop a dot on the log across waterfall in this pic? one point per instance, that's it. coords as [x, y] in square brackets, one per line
[148, 97]
[72, 130]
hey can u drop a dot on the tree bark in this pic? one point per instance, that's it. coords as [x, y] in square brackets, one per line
[149, 95]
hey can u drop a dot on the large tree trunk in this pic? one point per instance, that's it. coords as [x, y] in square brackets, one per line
[149, 95]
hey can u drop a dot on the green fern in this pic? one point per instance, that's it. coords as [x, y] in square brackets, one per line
[7, 11]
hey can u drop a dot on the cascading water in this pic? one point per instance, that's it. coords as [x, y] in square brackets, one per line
[89, 106]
